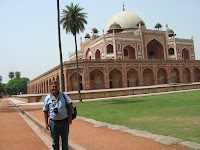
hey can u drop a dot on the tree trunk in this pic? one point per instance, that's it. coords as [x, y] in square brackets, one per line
[77, 69]
[59, 40]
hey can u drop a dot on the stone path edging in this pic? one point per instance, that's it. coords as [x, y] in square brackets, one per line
[166, 140]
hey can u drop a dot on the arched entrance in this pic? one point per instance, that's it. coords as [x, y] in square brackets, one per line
[129, 52]
[115, 78]
[73, 82]
[96, 79]
[196, 75]
[155, 50]
[186, 75]
[175, 76]
[132, 78]
[162, 76]
[97, 55]
[185, 54]
[148, 78]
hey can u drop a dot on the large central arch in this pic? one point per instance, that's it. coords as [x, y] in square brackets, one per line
[155, 50]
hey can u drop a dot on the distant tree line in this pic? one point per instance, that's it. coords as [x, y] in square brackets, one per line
[15, 85]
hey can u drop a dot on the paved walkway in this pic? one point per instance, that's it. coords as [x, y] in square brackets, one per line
[15, 133]
[83, 135]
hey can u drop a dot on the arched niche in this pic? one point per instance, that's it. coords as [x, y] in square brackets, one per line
[73, 82]
[96, 79]
[148, 78]
[175, 76]
[132, 78]
[115, 78]
[162, 76]
[129, 52]
[186, 75]
[109, 48]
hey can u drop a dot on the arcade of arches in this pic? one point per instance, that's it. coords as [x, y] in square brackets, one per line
[117, 77]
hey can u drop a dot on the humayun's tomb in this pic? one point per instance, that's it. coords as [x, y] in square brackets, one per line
[126, 55]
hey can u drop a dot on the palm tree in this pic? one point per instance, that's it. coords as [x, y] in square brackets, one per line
[60, 49]
[73, 21]
[11, 75]
[17, 74]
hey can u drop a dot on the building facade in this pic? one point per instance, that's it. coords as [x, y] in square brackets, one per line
[126, 55]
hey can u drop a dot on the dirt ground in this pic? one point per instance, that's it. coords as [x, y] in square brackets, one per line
[15, 134]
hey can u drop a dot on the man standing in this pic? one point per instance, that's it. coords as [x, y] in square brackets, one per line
[58, 115]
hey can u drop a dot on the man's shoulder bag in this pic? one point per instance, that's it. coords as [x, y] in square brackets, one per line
[74, 110]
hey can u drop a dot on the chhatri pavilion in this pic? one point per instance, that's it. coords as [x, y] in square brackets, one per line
[126, 55]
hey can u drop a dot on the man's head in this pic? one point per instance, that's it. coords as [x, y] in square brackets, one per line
[54, 86]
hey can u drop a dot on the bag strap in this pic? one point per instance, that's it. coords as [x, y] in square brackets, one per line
[73, 106]
[64, 97]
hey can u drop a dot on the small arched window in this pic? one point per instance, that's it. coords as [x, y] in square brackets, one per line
[109, 49]
[171, 51]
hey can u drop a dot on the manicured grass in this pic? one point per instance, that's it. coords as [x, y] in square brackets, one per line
[176, 115]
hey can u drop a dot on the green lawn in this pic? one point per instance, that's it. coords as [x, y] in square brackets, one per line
[176, 115]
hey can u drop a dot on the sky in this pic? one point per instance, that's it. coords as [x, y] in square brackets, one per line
[29, 30]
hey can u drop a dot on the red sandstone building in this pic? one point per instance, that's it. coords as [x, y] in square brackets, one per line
[126, 55]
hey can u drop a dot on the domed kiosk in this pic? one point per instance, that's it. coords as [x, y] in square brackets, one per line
[126, 20]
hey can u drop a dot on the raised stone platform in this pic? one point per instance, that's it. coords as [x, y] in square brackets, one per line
[106, 93]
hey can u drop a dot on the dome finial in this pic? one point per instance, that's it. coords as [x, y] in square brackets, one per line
[123, 7]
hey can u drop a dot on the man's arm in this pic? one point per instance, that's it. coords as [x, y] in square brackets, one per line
[69, 108]
[46, 118]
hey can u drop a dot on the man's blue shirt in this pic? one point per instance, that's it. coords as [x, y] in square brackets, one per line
[50, 104]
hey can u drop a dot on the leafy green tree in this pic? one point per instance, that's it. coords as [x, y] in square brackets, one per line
[73, 21]
[17, 74]
[16, 85]
[0, 79]
[11, 75]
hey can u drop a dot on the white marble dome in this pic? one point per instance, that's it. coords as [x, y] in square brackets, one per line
[126, 20]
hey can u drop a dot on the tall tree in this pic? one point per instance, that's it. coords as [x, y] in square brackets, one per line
[73, 21]
[0, 79]
[11, 75]
[60, 49]
[17, 74]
